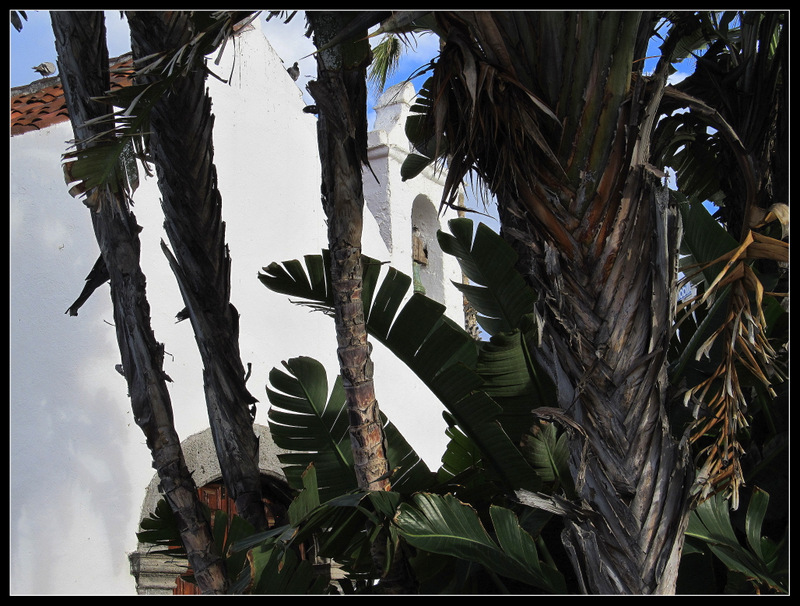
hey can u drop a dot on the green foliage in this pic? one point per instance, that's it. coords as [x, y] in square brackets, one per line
[467, 536]
[160, 529]
[305, 420]
[386, 56]
[274, 562]
[762, 561]
[548, 452]
[497, 291]
[442, 524]
[427, 149]
[109, 160]
[487, 388]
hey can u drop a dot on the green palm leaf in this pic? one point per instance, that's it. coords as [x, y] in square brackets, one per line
[441, 353]
[278, 571]
[498, 292]
[444, 525]
[761, 560]
[314, 427]
[548, 451]
[311, 425]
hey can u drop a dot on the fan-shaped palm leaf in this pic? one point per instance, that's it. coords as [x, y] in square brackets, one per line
[313, 425]
[440, 352]
[444, 525]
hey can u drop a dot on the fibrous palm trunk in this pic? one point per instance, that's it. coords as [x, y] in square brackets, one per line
[83, 65]
[605, 344]
[182, 149]
[606, 276]
[340, 93]
[559, 129]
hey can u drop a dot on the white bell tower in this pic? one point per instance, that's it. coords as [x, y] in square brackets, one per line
[406, 212]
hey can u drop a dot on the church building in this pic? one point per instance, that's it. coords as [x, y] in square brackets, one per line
[81, 474]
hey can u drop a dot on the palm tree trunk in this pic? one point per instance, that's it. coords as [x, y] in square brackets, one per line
[182, 150]
[605, 343]
[605, 271]
[553, 116]
[340, 92]
[83, 65]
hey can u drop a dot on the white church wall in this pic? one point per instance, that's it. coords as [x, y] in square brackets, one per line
[79, 464]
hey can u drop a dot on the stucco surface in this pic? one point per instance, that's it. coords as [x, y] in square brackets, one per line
[79, 464]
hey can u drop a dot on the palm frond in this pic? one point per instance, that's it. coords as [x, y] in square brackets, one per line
[385, 59]
[310, 425]
[16, 19]
[313, 425]
[498, 292]
[430, 524]
[733, 335]
[762, 561]
[442, 354]
[110, 160]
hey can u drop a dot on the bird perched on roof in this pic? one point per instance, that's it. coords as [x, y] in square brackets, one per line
[294, 71]
[45, 69]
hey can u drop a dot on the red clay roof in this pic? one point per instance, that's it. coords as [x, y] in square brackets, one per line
[42, 104]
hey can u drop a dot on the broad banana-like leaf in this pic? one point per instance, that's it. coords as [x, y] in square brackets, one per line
[704, 239]
[762, 559]
[307, 500]
[304, 420]
[279, 571]
[428, 148]
[313, 425]
[682, 142]
[514, 381]
[548, 452]
[461, 456]
[443, 524]
[497, 291]
[342, 528]
[439, 351]
[161, 529]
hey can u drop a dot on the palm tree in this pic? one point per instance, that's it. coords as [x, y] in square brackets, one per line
[83, 65]
[340, 91]
[554, 114]
[181, 146]
[552, 111]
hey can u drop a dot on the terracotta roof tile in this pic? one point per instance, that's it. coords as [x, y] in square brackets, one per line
[41, 104]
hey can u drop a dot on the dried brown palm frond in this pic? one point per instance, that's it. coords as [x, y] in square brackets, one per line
[742, 335]
[484, 118]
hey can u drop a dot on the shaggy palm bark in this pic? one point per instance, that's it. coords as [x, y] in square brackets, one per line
[340, 93]
[598, 241]
[83, 65]
[182, 149]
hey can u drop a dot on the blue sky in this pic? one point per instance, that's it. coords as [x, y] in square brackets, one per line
[35, 45]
